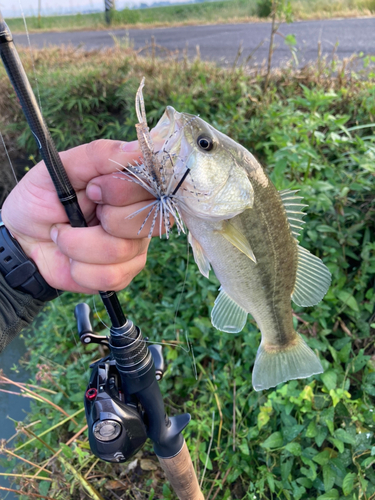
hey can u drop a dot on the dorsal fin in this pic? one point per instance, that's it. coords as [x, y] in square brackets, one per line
[312, 281]
[293, 207]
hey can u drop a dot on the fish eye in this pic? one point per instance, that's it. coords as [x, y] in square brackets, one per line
[205, 142]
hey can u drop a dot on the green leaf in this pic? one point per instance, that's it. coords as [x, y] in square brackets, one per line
[311, 430]
[327, 416]
[166, 491]
[304, 481]
[271, 482]
[329, 495]
[67, 451]
[329, 477]
[323, 457]
[44, 487]
[348, 483]
[290, 40]
[321, 435]
[205, 459]
[344, 353]
[275, 440]
[348, 299]
[344, 436]
[286, 468]
[329, 379]
[339, 445]
[244, 447]
[294, 448]
[264, 416]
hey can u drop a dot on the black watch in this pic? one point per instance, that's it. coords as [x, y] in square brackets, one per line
[19, 271]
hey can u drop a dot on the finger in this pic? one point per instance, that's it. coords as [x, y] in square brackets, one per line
[107, 277]
[100, 157]
[93, 245]
[116, 189]
[122, 223]
[55, 269]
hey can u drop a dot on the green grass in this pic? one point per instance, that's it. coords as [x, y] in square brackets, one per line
[223, 11]
[310, 439]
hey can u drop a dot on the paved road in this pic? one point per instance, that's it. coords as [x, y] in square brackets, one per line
[221, 42]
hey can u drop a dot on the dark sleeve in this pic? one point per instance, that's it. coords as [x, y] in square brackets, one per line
[17, 310]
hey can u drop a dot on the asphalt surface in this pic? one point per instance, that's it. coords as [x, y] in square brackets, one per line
[221, 42]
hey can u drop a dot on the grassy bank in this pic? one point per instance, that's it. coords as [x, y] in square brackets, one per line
[308, 439]
[225, 11]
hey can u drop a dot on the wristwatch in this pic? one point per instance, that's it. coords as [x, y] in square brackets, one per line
[19, 271]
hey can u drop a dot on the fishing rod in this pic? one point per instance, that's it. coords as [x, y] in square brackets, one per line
[123, 402]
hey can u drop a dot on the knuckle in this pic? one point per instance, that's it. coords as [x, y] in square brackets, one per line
[142, 259]
[112, 280]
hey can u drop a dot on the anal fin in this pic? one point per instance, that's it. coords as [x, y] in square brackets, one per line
[227, 315]
[312, 281]
[277, 365]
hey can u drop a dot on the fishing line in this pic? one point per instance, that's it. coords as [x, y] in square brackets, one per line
[145, 340]
[67, 189]
[189, 348]
[32, 56]
[9, 160]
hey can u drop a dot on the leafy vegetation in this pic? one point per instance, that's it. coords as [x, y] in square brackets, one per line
[222, 11]
[307, 439]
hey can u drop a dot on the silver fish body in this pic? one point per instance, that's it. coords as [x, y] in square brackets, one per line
[243, 228]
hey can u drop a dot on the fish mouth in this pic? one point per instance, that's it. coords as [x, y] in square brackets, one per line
[164, 128]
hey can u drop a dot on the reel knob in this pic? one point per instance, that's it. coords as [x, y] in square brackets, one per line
[106, 430]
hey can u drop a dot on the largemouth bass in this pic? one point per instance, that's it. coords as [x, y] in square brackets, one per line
[241, 227]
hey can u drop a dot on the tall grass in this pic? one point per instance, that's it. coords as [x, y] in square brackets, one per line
[223, 11]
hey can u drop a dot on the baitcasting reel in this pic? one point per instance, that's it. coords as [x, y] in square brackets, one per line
[115, 419]
[116, 428]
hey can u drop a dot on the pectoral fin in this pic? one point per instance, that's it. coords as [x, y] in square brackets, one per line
[234, 236]
[200, 258]
[312, 281]
[227, 315]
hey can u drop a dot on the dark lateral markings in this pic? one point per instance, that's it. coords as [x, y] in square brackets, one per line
[221, 42]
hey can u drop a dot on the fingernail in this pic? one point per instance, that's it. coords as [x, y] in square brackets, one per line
[94, 192]
[129, 147]
[54, 234]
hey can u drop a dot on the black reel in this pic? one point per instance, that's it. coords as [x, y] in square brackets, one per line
[123, 402]
[115, 421]
[115, 418]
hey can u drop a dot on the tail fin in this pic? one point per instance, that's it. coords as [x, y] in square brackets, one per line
[275, 366]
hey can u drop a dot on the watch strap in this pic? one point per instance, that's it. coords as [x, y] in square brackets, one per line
[19, 270]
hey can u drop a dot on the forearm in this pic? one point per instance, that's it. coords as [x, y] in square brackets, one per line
[17, 310]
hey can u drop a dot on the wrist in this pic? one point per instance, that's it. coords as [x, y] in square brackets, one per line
[20, 271]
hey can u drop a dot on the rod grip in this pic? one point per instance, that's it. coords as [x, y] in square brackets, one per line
[181, 474]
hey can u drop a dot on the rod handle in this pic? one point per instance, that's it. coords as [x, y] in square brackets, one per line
[181, 474]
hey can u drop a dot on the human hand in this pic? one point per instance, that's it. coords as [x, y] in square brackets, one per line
[104, 256]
